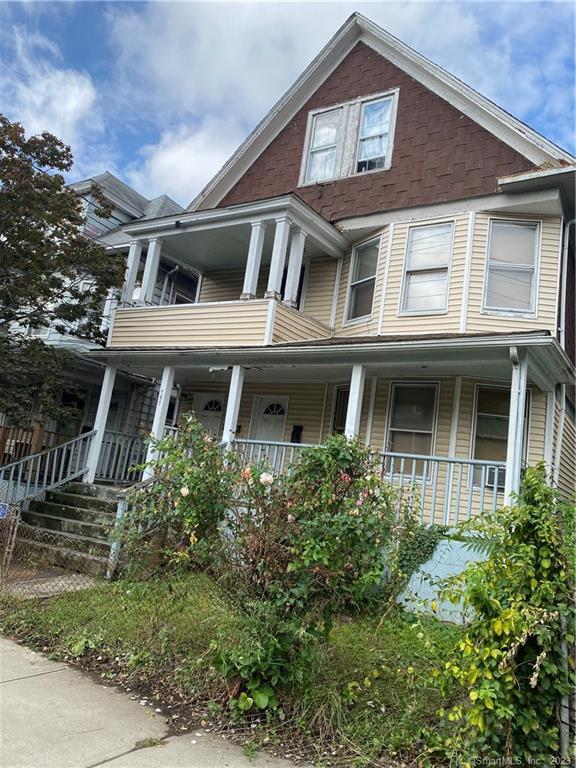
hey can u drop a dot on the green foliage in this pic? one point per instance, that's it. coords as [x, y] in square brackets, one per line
[511, 660]
[45, 260]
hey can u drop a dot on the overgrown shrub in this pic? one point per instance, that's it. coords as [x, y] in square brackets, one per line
[511, 661]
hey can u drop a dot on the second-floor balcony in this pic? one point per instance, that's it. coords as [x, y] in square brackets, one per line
[257, 322]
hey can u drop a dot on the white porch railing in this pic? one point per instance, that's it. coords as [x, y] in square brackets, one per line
[442, 490]
[32, 475]
[119, 453]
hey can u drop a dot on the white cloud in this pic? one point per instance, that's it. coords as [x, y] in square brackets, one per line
[183, 159]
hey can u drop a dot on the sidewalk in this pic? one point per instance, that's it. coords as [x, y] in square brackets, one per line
[53, 716]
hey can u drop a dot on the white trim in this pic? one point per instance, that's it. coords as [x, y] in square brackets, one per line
[294, 269]
[233, 405]
[455, 418]
[559, 436]
[323, 414]
[335, 388]
[151, 269]
[355, 320]
[467, 271]
[336, 293]
[531, 313]
[424, 313]
[278, 259]
[388, 257]
[270, 317]
[371, 404]
[354, 410]
[253, 260]
[199, 288]
[549, 432]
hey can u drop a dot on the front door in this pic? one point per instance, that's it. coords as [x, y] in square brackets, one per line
[268, 418]
[208, 409]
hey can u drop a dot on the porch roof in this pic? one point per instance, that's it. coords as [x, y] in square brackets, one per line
[444, 354]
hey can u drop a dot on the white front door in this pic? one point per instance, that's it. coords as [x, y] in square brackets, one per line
[268, 418]
[208, 409]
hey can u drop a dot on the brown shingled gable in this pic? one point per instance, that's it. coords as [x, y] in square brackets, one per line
[439, 153]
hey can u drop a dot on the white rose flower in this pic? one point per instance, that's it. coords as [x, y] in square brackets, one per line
[184, 491]
[266, 478]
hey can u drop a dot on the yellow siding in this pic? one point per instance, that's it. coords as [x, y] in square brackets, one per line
[319, 289]
[566, 456]
[191, 325]
[479, 321]
[292, 325]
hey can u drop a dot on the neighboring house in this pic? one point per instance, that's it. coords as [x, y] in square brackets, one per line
[388, 255]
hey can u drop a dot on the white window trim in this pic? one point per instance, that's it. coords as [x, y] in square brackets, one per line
[348, 132]
[358, 320]
[417, 312]
[415, 383]
[333, 409]
[531, 313]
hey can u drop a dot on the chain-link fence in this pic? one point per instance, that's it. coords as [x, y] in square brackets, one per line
[35, 562]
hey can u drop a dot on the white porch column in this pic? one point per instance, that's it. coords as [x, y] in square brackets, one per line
[132, 264]
[100, 423]
[294, 267]
[159, 422]
[233, 405]
[150, 270]
[355, 401]
[515, 425]
[278, 258]
[253, 261]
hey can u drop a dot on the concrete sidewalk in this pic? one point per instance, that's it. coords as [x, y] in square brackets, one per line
[53, 716]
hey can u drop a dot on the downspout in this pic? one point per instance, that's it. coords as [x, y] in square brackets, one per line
[560, 436]
[564, 284]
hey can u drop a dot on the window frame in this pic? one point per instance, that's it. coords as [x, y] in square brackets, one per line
[337, 389]
[338, 146]
[348, 134]
[363, 103]
[356, 320]
[416, 383]
[532, 312]
[418, 312]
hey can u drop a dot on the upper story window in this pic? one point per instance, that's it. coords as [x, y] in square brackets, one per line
[350, 138]
[510, 284]
[428, 252]
[362, 280]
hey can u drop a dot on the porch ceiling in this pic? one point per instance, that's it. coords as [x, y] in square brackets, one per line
[439, 356]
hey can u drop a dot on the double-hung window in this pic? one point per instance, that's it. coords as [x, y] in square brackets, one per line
[427, 265]
[324, 146]
[362, 280]
[511, 268]
[412, 420]
[373, 136]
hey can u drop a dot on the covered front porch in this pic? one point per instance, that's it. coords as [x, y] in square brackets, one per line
[450, 420]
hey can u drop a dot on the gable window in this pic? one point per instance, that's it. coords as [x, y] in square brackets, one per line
[428, 253]
[347, 139]
[412, 420]
[373, 135]
[362, 280]
[511, 267]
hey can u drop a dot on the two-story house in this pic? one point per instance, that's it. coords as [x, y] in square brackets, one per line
[388, 255]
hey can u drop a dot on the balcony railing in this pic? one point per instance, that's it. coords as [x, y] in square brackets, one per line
[119, 453]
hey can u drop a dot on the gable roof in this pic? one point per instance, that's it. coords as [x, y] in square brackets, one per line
[516, 134]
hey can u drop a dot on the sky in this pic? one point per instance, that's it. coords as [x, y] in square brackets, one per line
[162, 93]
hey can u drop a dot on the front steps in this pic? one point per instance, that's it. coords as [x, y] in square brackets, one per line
[71, 527]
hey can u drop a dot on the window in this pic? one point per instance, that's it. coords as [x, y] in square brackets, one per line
[411, 425]
[373, 135]
[341, 397]
[355, 137]
[511, 270]
[362, 280]
[274, 409]
[491, 431]
[427, 261]
[324, 145]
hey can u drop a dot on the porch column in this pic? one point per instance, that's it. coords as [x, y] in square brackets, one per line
[150, 271]
[253, 261]
[233, 405]
[132, 264]
[515, 425]
[281, 235]
[294, 267]
[100, 423]
[159, 422]
[354, 411]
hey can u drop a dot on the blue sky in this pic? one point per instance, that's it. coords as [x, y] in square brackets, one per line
[162, 93]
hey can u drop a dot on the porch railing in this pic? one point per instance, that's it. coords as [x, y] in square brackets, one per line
[442, 490]
[32, 475]
[119, 453]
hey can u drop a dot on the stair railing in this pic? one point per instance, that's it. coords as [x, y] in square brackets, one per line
[32, 475]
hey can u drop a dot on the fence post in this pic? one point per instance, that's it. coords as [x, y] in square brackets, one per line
[121, 508]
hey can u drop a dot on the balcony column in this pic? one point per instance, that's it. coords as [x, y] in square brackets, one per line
[515, 425]
[294, 267]
[279, 249]
[100, 423]
[159, 422]
[150, 271]
[253, 261]
[233, 405]
[354, 411]
[132, 265]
